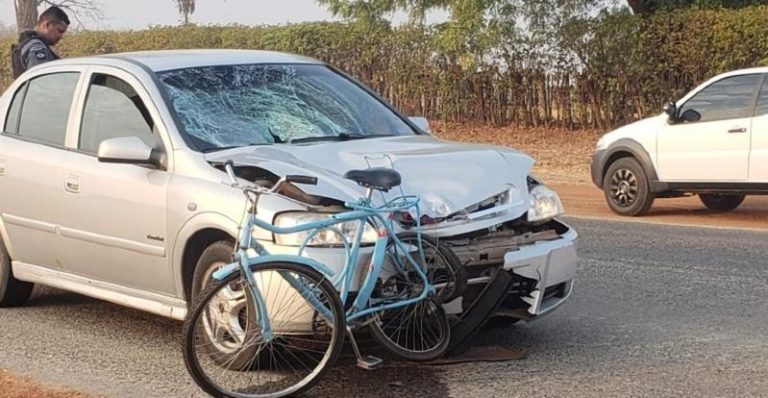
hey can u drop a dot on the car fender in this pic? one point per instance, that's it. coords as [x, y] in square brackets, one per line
[637, 151]
[198, 222]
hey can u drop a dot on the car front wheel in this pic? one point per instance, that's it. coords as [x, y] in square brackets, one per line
[626, 188]
[718, 202]
[229, 323]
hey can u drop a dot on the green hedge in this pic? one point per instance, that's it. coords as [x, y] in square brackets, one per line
[620, 66]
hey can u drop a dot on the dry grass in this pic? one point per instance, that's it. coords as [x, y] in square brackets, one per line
[561, 155]
[12, 386]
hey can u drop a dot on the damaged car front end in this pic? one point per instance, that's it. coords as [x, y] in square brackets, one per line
[513, 229]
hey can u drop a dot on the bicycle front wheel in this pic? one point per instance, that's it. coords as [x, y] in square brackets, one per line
[276, 344]
[416, 332]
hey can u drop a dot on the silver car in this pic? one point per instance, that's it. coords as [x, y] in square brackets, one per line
[112, 187]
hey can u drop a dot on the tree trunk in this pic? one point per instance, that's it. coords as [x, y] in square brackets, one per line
[186, 8]
[26, 14]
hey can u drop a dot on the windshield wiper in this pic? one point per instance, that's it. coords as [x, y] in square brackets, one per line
[340, 137]
[222, 148]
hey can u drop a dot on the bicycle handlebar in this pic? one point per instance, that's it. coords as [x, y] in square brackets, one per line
[307, 180]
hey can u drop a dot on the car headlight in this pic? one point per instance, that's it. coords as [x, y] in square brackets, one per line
[545, 204]
[328, 237]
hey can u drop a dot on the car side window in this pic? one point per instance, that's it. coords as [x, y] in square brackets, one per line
[114, 109]
[762, 100]
[12, 118]
[729, 98]
[46, 106]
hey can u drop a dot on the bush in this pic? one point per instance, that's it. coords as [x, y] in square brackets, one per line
[614, 68]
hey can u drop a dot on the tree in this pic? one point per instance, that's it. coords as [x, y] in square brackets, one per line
[27, 10]
[476, 27]
[186, 8]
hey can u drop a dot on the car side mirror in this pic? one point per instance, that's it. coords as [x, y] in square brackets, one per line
[671, 110]
[690, 115]
[130, 150]
[420, 122]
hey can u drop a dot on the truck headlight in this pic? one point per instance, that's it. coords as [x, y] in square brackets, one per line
[327, 237]
[545, 204]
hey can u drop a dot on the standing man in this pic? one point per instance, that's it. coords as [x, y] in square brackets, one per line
[34, 46]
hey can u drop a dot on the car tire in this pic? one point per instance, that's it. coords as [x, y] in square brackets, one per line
[13, 292]
[721, 202]
[626, 188]
[215, 256]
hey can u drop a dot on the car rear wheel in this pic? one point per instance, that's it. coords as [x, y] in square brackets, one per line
[721, 202]
[626, 189]
[13, 292]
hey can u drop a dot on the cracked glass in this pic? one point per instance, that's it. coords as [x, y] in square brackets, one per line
[263, 104]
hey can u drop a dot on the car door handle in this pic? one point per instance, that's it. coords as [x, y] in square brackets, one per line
[72, 184]
[737, 130]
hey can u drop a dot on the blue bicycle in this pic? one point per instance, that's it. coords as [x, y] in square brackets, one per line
[271, 325]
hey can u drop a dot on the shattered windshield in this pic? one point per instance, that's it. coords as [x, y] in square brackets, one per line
[262, 104]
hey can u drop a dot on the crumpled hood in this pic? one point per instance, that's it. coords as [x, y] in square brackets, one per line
[448, 176]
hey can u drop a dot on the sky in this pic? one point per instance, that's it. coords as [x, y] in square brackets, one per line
[138, 14]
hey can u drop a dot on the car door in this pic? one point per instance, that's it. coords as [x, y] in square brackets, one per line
[714, 148]
[114, 218]
[758, 154]
[32, 149]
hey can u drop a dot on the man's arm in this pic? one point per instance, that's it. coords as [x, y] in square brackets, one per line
[36, 53]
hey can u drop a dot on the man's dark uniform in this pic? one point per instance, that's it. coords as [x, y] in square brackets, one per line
[31, 50]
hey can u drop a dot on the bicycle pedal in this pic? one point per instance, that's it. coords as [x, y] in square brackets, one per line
[369, 362]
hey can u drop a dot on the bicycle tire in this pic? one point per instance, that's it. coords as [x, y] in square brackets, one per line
[450, 272]
[383, 333]
[197, 339]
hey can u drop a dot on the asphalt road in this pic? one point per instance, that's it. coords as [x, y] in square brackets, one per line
[657, 311]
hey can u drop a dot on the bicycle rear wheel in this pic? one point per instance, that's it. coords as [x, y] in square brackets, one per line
[226, 351]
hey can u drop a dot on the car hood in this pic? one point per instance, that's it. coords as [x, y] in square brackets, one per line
[645, 127]
[448, 176]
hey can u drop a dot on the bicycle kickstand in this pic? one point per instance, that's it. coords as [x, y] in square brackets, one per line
[367, 362]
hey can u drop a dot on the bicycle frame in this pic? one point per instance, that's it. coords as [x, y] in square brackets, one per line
[361, 211]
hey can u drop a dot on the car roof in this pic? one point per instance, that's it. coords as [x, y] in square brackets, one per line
[163, 60]
[747, 71]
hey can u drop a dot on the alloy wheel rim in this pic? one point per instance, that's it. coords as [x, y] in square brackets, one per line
[624, 188]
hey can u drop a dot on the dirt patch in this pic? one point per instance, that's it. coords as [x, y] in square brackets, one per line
[13, 386]
[585, 200]
[560, 155]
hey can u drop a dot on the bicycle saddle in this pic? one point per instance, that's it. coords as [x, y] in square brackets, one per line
[379, 178]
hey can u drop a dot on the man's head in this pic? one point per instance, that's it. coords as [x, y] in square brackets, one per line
[52, 25]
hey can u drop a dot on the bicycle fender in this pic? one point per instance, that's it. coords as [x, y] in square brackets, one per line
[316, 265]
